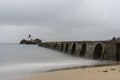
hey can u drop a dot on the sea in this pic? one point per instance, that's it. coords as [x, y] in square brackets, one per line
[18, 61]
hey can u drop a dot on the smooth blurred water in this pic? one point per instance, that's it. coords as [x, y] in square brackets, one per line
[17, 61]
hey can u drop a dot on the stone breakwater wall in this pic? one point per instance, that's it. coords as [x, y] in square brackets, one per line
[99, 50]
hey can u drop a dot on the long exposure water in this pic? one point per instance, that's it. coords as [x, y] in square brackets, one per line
[16, 60]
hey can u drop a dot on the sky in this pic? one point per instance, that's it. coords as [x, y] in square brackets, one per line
[59, 20]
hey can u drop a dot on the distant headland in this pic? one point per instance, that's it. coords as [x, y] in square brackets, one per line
[30, 40]
[35, 41]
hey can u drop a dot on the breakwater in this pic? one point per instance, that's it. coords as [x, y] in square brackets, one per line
[99, 50]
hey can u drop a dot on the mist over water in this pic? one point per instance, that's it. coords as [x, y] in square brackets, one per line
[17, 61]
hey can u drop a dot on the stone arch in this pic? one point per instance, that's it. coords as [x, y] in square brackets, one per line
[83, 49]
[73, 49]
[97, 51]
[62, 46]
[118, 51]
[66, 47]
[55, 46]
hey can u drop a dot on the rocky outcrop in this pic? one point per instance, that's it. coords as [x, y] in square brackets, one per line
[36, 41]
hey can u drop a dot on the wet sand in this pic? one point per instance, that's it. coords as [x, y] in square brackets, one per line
[111, 72]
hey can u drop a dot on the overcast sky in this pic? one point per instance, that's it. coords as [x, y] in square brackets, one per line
[59, 20]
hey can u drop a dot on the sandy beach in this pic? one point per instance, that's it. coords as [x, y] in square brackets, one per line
[92, 73]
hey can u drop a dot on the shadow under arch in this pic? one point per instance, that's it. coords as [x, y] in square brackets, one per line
[66, 47]
[55, 46]
[118, 52]
[83, 50]
[97, 51]
[73, 49]
[62, 46]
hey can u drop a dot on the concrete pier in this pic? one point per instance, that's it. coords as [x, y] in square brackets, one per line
[99, 50]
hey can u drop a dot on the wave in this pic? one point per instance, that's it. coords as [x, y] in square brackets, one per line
[15, 71]
[45, 65]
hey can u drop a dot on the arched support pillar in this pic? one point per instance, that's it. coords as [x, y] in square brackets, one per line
[55, 45]
[117, 51]
[66, 48]
[62, 47]
[73, 49]
[83, 50]
[98, 51]
[109, 51]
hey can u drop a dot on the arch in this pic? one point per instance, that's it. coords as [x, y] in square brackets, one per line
[83, 50]
[73, 49]
[62, 46]
[97, 51]
[55, 46]
[66, 47]
[118, 51]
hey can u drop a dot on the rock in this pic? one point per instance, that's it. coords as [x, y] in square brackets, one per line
[36, 41]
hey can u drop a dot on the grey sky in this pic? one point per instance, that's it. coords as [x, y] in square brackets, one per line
[58, 20]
